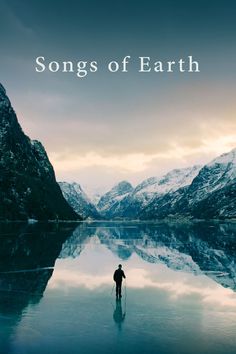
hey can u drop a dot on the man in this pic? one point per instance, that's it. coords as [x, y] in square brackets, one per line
[118, 277]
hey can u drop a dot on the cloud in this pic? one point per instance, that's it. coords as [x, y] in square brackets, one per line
[126, 163]
[135, 125]
[138, 278]
[141, 162]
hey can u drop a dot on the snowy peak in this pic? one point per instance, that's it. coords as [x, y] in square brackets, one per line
[225, 159]
[146, 183]
[116, 194]
[179, 178]
[121, 188]
[212, 194]
[77, 187]
[192, 192]
[170, 182]
[78, 200]
[216, 175]
[125, 202]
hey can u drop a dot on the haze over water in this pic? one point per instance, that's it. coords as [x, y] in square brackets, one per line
[179, 296]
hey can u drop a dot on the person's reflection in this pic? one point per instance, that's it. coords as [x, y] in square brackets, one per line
[119, 315]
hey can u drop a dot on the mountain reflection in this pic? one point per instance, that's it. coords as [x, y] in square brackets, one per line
[27, 257]
[156, 259]
[28, 252]
[197, 248]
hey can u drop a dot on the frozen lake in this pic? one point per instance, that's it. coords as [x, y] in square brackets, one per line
[57, 295]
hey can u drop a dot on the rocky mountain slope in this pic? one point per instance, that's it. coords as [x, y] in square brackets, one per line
[196, 192]
[78, 200]
[28, 188]
[212, 194]
[133, 202]
[111, 200]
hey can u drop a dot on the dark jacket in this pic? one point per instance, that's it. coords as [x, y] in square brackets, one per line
[118, 275]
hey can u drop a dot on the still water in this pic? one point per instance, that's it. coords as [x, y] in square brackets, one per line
[57, 295]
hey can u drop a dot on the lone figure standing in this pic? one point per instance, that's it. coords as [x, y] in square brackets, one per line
[118, 277]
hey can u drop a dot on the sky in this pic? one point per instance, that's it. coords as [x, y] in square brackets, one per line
[108, 127]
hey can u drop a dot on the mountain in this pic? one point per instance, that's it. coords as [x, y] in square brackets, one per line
[212, 194]
[78, 200]
[213, 176]
[219, 204]
[112, 199]
[28, 188]
[138, 198]
[196, 192]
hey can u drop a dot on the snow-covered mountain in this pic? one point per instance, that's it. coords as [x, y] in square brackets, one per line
[211, 194]
[194, 192]
[213, 176]
[113, 198]
[28, 188]
[131, 203]
[78, 200]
